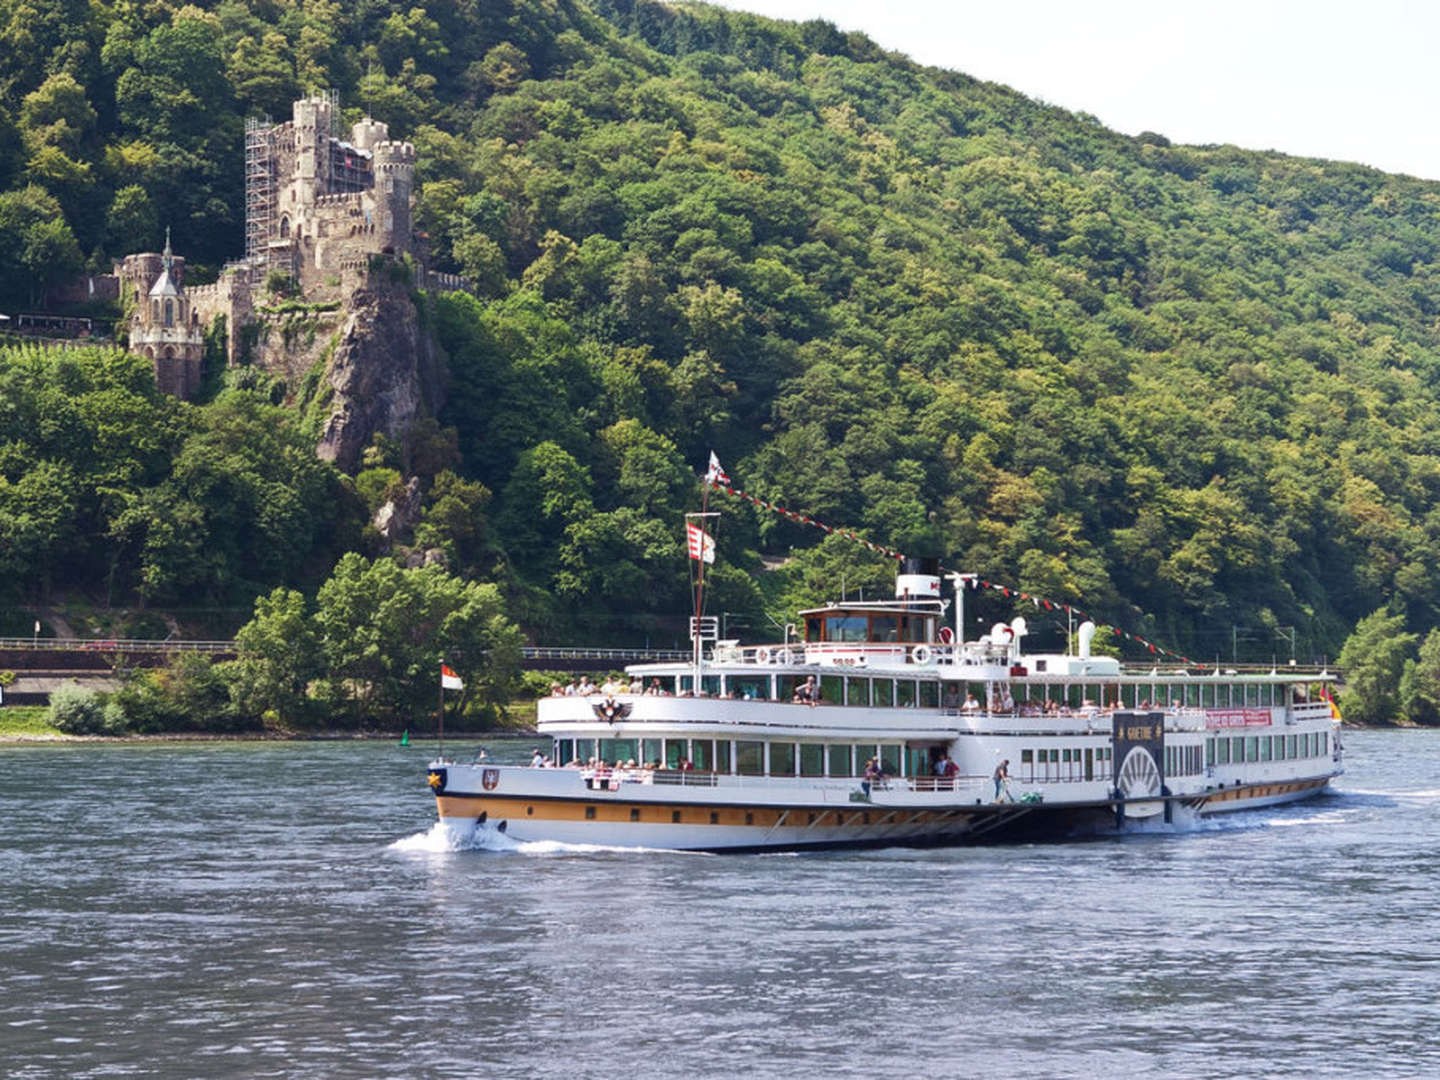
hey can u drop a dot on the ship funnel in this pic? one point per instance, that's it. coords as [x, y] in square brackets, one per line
[919, 579]
[1083, 636]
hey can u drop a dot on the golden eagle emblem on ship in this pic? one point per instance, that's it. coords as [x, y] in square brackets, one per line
[611, 710]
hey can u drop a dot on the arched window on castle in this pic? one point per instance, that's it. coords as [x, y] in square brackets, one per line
[284, 227]
[169, 312]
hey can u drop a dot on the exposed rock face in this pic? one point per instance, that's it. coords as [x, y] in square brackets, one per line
[396, 518]
[383, 373]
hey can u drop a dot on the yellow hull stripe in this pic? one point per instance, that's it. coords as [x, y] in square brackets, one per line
[471, 806]
[1263, 791]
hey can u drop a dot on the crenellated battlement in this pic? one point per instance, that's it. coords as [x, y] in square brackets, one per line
[355, 199]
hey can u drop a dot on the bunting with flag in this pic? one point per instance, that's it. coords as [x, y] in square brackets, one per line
[717, 479]
[701, 543]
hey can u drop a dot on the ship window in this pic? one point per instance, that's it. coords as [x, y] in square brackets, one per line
[890, 759]
[618, 750]
[845, 628]
[585, 749]
[589, 813]
[950, 696]
[722, 756]
[1207, 695]
[812, 759]
[929, 694]
[883, 691]
[564, 751]
[1027, 765]
[702, 754]
[857, 691]
[710, 685]
[749, 687]
[750, 758]
[832, 689]
[905, 693]
[1264, 748]
[814, 629]
[884, 628]
[1192, 695]
[651, 750]
[675, 816]
[675, 752]
[840, 761]
[1210, 751]
[1252, 749]
[782, 759]
[634, 813]
[714, 817]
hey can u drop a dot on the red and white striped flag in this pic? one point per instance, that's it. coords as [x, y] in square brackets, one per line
[702, 544]
[449, 680]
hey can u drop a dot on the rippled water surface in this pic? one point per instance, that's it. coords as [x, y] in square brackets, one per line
[288, 909]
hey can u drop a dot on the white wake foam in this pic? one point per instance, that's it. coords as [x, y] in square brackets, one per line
[444, 838]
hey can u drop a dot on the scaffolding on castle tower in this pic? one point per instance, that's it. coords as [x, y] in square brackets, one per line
[259, 187]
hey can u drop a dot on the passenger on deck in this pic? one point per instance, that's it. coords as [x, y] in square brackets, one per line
[971, 705]
[537, 760]
[556, 690]
[586, 686]
[1002, 775]
[807, 693]
[654, 688]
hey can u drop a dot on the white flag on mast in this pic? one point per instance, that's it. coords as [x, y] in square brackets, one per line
[716, 475]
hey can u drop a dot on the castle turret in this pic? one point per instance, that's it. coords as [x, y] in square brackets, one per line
[368, 133]
[394, 182]
[163, 328]
[312, 116]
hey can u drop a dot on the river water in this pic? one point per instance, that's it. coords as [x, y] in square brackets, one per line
[263, 909]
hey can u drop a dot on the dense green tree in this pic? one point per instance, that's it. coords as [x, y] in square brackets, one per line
[1373, 659]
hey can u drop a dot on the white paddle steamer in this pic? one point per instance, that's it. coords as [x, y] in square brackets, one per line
[915, 735]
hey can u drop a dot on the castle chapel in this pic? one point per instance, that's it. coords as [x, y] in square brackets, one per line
[318, 208]
[165, 329]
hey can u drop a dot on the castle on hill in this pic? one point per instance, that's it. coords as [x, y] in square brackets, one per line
[318, 209]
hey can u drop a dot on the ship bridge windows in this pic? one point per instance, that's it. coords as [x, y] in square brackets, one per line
[884, 628]
[846, 628]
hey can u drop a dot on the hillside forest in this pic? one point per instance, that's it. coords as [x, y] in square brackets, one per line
[1192, 389]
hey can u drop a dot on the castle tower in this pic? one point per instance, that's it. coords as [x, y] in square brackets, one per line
[368, 132]
[394, 183]
[164, 329]
[312, 118]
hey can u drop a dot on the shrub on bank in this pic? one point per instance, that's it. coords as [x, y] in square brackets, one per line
[77, 710]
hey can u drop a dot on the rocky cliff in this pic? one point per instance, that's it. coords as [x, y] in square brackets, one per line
[383, 373]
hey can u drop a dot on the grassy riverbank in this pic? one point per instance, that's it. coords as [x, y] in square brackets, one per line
[28, 722]
[33, 722]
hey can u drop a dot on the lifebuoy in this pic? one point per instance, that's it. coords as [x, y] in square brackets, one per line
[920, 654]
[762, 655]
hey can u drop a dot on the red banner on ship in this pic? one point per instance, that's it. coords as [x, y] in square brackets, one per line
[1236, 717]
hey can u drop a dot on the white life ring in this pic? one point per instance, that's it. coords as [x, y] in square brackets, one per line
[762, 655]
[920, 654]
